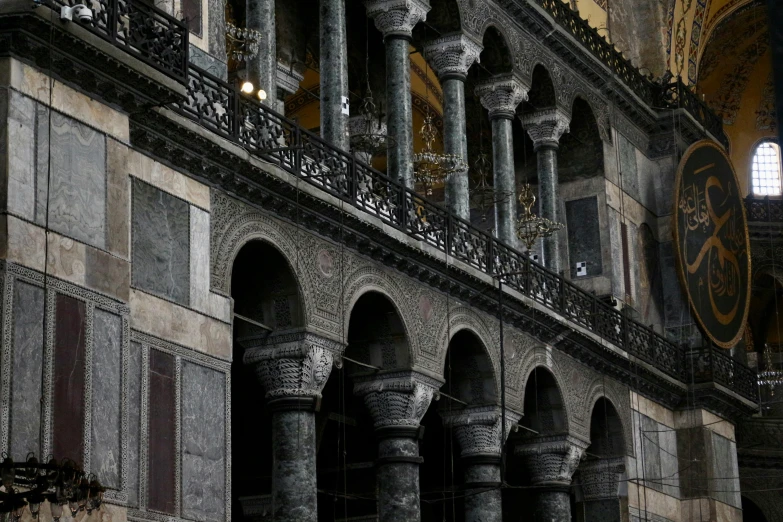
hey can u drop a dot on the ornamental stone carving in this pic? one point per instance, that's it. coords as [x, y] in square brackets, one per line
[552, 460]
[451, 56]
[478, 429]
[546, 126]
[397, 17]
[501, 94]
[398, 398]
[292, 363]
[600, 478]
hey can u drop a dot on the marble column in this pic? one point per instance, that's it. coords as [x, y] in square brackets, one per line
[262, 67]
[397, 402]
[334, 74]
[600, 480]
[551, 462]
[545, 128]
[501, 95]
[395, 19]
[293, 368]
[451, 57]
[478, 432]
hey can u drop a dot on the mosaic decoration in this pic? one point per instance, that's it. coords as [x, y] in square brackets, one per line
[603, 4]
[702, 8]
[669, 28]
[724, 42]
[712, 246]
[766, 115]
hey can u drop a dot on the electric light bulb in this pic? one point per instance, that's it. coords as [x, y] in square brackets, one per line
[247, 87]
[261, 94]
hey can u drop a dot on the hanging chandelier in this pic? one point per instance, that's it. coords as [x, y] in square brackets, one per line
[429, 167]
[483, 195]
[531, 228]
[368, 130]
[241, 42]
[31, 483]
[769, 376]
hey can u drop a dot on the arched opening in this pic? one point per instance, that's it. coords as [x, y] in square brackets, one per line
[266, 294]
[581, 154]
[751, 512]
[766, 169]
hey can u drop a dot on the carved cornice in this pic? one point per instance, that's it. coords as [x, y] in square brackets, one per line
[288, 78]
[451, 56]
[397, 17]
[501, 95]
[546, 126]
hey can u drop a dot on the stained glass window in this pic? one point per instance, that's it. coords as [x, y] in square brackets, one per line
[766, 169]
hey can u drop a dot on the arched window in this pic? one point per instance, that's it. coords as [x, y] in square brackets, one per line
[766, 169]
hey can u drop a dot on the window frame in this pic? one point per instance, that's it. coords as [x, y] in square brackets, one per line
[765, 182]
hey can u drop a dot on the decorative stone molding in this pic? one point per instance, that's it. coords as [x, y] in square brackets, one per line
[546, 126]
[451, 56]
[292, 363]
[478, 429]
[288, 78]
[397, 17]
[501, 94]
[552, 460]
[600, 478]
[398, 398]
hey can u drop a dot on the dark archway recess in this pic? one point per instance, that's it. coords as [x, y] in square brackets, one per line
[751, 512]
[443, 19]
[264, 290]
[606, 431]
[376, 335]
[542, 91]
[496, 57]
[581, 153]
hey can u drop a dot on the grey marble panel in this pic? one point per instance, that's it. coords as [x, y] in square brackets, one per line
[203, 443]
[206, 61]
[161, 243]
[41, 161]
[725, 484]
[4, 93]
[134, 422]
[25, 430]
[105, 454]
[21, 156]
[628, 167]
[584, 235]
[652, 452]
[667, 438]
[77, 190]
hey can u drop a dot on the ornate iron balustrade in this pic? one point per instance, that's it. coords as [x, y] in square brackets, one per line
[764, 209]
[677, 95]
[760, 433]
[141, 29]
[715, 365]
[265, 133]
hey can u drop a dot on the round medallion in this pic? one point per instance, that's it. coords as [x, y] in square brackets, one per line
[325, 263]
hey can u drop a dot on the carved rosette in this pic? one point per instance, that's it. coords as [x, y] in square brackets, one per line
[293, 363]
[397, 17]
[546, 126]
[397, 399]
[501, 94]
[451, 56]
[478, 429]
[552, 460]
[600, 478]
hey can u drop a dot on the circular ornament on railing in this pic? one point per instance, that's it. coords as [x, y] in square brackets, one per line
[711, 242]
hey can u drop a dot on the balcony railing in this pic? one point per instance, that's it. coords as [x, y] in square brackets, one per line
[715, 365]
[221, 108]
[141, 29]
[764, 210]
[677, 95]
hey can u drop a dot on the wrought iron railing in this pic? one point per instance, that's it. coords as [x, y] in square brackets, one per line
[677, 95]
[764, 209]
[711, 364]
[278, 140]
[141, 29]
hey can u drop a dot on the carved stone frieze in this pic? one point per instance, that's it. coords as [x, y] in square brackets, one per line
[478, 429]
[552, 460]
[294, 363]
[600, 478]
[546, 126]
[501, 95]
[397, 398]
[451, 56]
[288, 78]
[397, 17]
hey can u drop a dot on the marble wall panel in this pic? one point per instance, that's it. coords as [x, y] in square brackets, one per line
[118, 200]
[69, 371]
[584, 235]
[651, 452]
[41, 162]
[162, 433]
[77, 190]
[105, 459]
[628, 167]
[667, 438]
[25, 415]
[206, 61]
[4, 94]
[161, 243]
[725, 486]
[134, 422]
[21, 156]
[199, 259]
[203, 443]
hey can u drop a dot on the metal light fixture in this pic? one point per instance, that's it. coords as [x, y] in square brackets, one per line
[432, 167]
[483, 195]
[30, 483]
[769, 376]
[241, 42]
[368, 130]
[531, 228]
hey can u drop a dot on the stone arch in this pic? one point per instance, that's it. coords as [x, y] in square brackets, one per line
[613, 422]
[543, 88]
[581, 154]
[445, 16]
[557, 419]
[371, 279]
[599, 389]
[497, 55]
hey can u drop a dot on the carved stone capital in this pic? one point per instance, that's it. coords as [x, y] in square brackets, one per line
[397, 17]
[546, 126]
[552, 460]
[397, 398]
[451, 56]
[293, 363]
[600, 477]
[501, 94]
[478, 429]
